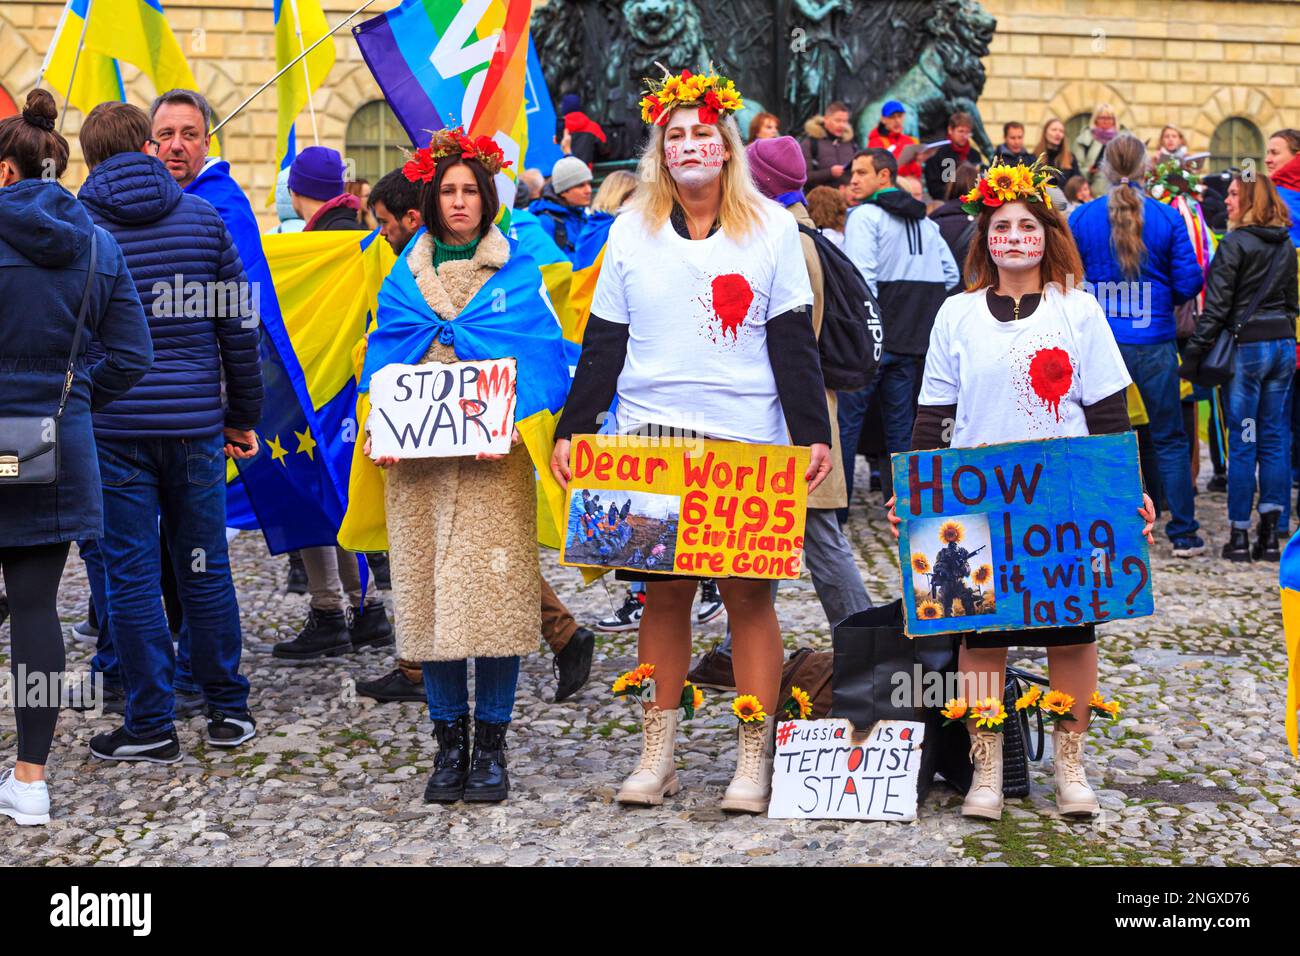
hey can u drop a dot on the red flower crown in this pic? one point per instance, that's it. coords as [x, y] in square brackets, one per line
[448, 142]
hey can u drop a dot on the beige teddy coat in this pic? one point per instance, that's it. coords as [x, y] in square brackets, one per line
[462, 533]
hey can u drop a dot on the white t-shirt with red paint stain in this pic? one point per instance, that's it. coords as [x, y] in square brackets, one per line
[1025, 379]
[697, 312]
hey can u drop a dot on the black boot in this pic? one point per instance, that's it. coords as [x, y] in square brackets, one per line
[379, 569]
[451, 766]
[1237, 547]
[572, 665]
[325, 634]
[488, 781]
[1266, 544]
[369, 627]
[297, 583]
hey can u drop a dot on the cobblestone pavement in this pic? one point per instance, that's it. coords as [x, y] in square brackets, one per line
[1196, 771]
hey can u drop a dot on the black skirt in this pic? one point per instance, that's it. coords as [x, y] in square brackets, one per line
[1034, 637]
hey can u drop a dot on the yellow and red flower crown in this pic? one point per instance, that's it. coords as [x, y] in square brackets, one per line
[715, 96]
[1003, 183]
[448, 142]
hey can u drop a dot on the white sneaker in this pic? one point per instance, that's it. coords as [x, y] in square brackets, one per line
[27, 803]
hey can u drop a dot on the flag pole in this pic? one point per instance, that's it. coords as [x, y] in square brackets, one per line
[72, 75]
[291, 64]
[49, 53]
[306, 73]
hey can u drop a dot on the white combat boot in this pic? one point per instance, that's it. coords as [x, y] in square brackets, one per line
[984, 798]
[751, 787]
[655, 776]
[1073, 795]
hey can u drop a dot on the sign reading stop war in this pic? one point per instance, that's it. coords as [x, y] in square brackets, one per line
[442, 410]
[1024, 534]
[694, 507]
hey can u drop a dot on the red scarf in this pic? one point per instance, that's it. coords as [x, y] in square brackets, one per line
[1289, 175]
[961, 151]
[344, 199]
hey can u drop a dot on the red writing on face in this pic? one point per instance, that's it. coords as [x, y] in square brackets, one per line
[732, 297]
[1050, 375]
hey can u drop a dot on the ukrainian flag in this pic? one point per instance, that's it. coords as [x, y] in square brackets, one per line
[132, 31]
[1289, 579]
[298, 24]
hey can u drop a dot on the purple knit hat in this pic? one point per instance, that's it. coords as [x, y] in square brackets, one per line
[317, 172]
[777, 165]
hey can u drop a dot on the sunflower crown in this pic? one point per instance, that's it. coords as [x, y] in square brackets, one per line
[1004, 183]
[423, 163]
[715, 96]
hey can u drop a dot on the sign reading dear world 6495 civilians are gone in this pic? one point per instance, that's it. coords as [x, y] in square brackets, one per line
[1021, 535]
[683, 506]
[438, 410]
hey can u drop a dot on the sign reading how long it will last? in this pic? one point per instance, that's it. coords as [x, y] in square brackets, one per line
[442, 410]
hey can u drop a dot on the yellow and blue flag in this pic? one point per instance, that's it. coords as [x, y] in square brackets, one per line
[298, 24]
[98, 78]
[1289, 580]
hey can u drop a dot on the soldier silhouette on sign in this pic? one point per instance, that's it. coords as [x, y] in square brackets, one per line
[948, 582]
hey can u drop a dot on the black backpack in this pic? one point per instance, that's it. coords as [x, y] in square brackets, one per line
[852, 336]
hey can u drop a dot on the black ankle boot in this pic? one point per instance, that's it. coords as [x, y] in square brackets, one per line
[1266, 544]
[369, 626]
[1237, 547]
[451, 766]
[488, 781]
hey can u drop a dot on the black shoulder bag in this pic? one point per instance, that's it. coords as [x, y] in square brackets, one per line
[29, 445]
[1217, 366]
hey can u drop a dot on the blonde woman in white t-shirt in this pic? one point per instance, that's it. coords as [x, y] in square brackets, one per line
[701, 324]
[1023, 355]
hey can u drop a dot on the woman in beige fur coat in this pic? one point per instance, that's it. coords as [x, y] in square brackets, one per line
[462, 532]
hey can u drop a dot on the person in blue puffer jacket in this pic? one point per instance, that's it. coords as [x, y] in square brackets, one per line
[45, 271]
[1140, 265]
[163, 445]
[562, 207]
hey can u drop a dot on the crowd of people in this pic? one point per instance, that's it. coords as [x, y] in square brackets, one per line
[117, 415]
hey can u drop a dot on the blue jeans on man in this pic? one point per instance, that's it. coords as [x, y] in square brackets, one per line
[104, 663]
[1154, 369]
[184, 481]
[897, 380]
[1257, 403]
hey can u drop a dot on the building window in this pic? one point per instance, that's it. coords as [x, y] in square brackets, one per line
[374, 141]
[1235, 140]
[1075, 125]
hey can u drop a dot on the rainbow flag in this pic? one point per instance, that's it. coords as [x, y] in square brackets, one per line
[455, 63]
[298, 24]
[1289, 581]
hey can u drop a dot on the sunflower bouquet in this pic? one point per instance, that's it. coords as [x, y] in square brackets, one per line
[1004, 183]
[715, 96]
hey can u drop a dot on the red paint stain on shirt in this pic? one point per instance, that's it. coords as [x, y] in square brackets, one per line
[732, 297]
[1050, 375]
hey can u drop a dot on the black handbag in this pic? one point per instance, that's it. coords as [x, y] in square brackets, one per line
[1219, 364]
[29, 444]
[1016, 752]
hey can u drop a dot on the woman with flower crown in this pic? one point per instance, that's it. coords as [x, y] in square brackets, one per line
[701, 325]
[460, 590]
[1023, 355]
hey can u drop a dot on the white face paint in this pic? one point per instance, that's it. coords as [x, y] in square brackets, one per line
[693, 151]
[1015, 238]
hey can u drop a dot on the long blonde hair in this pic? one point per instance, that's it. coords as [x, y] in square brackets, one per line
[657, 190]
[1124, 164]
[614, 191]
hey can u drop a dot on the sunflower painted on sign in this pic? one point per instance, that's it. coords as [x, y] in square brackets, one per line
[983, 574]
[920, 564]
[928, 610]
[952, 532]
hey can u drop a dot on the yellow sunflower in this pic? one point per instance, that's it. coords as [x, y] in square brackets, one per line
[1003, 181]
[697, 696]
[952, 531]
[920, 563]
[1057, 702]
[748, 709]
[1029, 698]
[983, 574]
[988, 712]
[928, 610]
[1108, 707]
[1024, 180]
[956, 709]
[803, 703]
[672, 88]
[989, 602]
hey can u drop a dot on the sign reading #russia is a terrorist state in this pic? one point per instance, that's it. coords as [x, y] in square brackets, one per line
[707, 508]
[442, 410]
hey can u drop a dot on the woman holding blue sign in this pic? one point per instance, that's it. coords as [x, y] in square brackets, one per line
[462, 531]
[1023, 355]
[701, 326]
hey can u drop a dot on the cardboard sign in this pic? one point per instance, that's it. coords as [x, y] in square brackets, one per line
[440, 410]
[1027, 534]
[822, 773]
[695, 507]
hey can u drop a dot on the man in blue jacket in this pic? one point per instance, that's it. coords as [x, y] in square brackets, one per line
[163, 445]
[562, 207]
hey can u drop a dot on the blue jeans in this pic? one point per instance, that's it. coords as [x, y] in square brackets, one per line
[105, 660]
[1257, 404]
[446, 686]
[184, 480]
[897, 379]
[1154, 369]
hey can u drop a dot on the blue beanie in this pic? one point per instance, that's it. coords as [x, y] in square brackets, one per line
[570, 103]
[317, 173]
